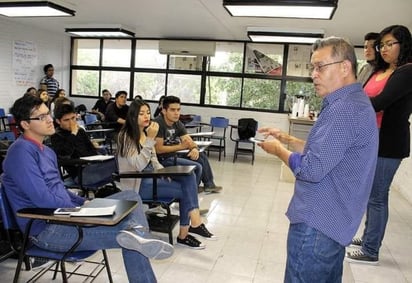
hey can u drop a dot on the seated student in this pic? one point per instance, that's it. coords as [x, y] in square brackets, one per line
[136, 152]
[70, 142]
[101, 104]
[158, 110]
[32, 91]
[116, 112]
[172, 137]
[59, 93]
[31, 179]
[44, 96]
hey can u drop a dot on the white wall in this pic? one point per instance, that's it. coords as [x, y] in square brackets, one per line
[55, 48]
[403, 177]
[51, 48]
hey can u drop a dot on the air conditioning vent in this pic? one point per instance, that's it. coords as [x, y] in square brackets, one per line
[186, 47]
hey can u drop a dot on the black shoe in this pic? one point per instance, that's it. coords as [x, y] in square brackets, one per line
[358, 256]
[40, 262]
[191, 242]
[356, 242]
[201, 230]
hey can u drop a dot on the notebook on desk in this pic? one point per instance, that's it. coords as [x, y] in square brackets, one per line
[97, 157]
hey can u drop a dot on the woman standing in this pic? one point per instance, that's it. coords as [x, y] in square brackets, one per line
[136, 151]
[394, 48]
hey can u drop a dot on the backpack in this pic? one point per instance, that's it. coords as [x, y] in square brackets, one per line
[247, 128]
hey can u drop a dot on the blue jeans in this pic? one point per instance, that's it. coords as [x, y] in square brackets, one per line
[183, 188]
[60, 238]
[377, 210]
[203, 172]
[312, 256]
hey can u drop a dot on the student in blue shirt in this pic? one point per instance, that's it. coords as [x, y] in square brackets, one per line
[334, 168]
[42, 186]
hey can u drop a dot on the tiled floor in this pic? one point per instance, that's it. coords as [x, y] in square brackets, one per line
[248, 216]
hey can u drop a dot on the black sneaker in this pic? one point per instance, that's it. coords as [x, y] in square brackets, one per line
[191, 242]
[356, 242]
[201, 230]
[40, 262]
[358, 256]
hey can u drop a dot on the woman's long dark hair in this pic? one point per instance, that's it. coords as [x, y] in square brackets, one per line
[403, 36]
[129, 136]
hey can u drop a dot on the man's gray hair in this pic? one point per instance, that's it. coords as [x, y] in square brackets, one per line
[341, 49]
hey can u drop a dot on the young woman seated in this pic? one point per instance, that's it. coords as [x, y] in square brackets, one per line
[136, 151]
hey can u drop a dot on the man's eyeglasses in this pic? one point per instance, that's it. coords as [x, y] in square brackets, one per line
[386, 45]
[318, 68]
[41, 117]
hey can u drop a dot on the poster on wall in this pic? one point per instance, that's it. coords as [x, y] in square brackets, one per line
[258, 62]
[24, 63]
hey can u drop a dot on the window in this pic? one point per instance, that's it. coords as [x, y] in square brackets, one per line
[186, 87]
[86, 52]
[228, 57]
[261, 94]
[149, 85]
[190, 63]
[85, 83]
[115, 81]
[298, 60]
[240, 75]
[117, 52]
[304, 90]
[223, 91]
[148, 56]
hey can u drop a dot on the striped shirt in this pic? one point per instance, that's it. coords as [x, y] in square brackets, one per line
[52, 85]
[334, 173]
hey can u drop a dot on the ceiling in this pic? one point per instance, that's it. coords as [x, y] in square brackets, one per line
[207, 19]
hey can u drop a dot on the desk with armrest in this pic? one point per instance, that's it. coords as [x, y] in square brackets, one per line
[167, 223]
[123, 208]
[88, 178]
[101, 135]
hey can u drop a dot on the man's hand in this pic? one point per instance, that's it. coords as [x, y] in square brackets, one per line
[266, 131]
[187, 142]
[276, 148]
[74, 127]
[271, 146]
[193, 154]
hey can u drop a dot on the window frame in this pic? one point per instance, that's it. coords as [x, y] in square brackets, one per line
[203, 73]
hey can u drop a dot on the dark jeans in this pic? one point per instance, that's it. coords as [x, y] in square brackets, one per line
[377, 210]
[312, 256]
[203, 170]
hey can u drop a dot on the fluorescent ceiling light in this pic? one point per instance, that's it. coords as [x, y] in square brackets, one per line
[100, 32]
[307, 9]
[34, 9]
[267, 35]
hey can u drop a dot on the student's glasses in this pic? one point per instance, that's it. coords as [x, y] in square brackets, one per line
[41, 117]
[386, 45]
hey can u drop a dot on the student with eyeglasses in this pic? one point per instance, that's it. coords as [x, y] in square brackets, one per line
[31, 178]
[394, 64]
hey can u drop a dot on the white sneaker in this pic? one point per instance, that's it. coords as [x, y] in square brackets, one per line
[150, 248]
[37, 263]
